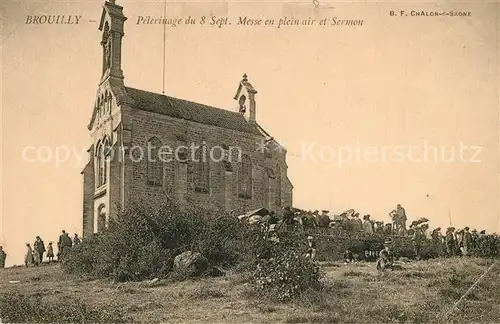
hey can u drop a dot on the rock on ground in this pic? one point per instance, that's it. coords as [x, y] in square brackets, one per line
[190, 263]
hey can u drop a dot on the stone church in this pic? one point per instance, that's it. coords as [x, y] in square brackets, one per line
[129, 127]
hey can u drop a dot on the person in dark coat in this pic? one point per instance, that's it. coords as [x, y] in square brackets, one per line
[466, 241]
[474, 237]
[386, 259]
[36, 258]
[64, 244]
[437, 242]
[288, 218]
[401, 219]
[379, 227]
[309, 220]
[39, 247]
[356, 223]
[3, 256]
[28, 257]
[50, 253]
[347, 224]
[348, 256]
[417, 240]
[76, 240]
[450, 242]
[323, 220]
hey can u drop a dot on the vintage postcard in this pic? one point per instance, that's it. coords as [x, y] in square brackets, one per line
[250, 161]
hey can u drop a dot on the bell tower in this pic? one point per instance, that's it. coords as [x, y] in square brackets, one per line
[245, 95]
[111, 26]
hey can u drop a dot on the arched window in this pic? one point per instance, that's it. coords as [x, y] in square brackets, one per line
[105, 152]
[102, 149]
[154, 163]
[245, 177]
[201, 171]
[277, 194]
[241, 103]
[98, 163]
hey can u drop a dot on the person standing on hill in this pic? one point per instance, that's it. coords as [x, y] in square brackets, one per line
[39, 248]
[398, 217]
[417, 238]
[64, 243]
[466, 241]
[426, 232]
[288, 218]
[436, 239]
[388, 229]
[474, 237]
[450, 242]
[50, 253]
[459, 236]
[28, 257]
[76, 240]
[379, 227]
[367, 225]
[347, 224]
[356, 223]
[3, 256]
[36, 258]
[402, 219]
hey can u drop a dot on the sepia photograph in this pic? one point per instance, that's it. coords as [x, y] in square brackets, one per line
[264, 161]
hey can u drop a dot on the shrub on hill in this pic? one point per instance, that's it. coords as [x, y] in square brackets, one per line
[143, 242]
[487, 246]
[286, 276]
[281, 271]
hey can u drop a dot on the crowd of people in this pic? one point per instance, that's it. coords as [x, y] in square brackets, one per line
[350, 221]
[34, 255]
[454, 242]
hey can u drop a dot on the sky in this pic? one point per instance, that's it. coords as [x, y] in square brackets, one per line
[417, 84]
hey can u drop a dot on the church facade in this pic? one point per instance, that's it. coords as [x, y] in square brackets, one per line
[152, 146]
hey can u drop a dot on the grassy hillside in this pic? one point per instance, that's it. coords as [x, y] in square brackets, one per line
[421, 292]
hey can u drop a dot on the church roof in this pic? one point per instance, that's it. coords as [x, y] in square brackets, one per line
[188, 110]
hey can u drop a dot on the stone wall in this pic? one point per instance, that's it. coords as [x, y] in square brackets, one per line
[223, 181]
[88, 199]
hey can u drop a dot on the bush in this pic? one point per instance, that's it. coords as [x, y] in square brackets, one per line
[143, 242]
[486, 246]
[280, 269]
[286, 276]
[16, 308]
[221, 242]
